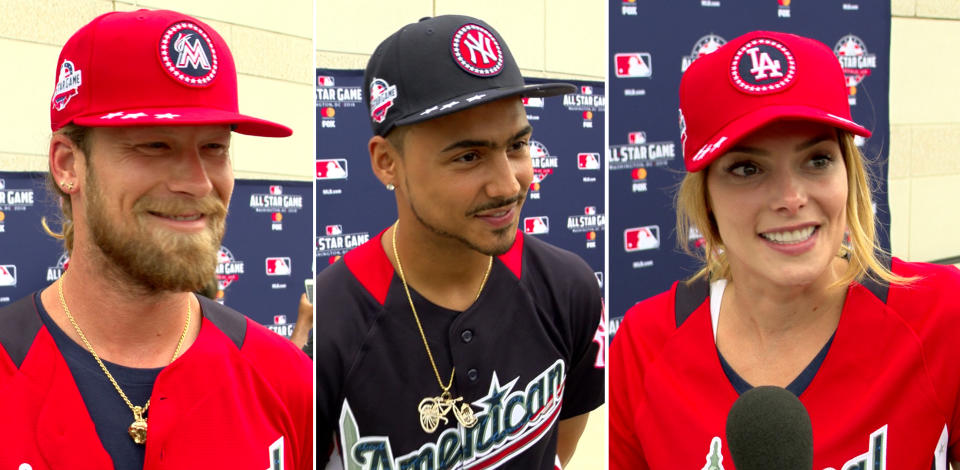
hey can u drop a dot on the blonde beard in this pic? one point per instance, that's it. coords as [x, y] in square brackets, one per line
[158, 259]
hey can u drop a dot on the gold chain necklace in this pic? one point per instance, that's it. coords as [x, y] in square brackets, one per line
[434, 409]
[138, 428]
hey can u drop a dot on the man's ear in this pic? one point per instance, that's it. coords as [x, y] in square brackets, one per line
[384, 159]
[67, 163]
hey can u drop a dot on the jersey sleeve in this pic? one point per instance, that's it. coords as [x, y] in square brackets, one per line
[584, 389]
[635, 345]
[931, 307]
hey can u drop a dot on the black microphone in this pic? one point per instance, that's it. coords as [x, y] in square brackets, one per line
[768, 428]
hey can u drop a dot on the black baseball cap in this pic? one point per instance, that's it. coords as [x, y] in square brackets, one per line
[439, 66]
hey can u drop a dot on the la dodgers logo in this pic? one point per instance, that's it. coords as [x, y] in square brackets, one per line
[382, 95]
[68, 84]
[763, 66]
[188, 55]
[477, 51]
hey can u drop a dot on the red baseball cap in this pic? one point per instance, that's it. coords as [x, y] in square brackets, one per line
[755, 79]
[150, 68]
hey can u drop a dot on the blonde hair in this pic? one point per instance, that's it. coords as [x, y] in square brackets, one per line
[693, 212]
[80, 136]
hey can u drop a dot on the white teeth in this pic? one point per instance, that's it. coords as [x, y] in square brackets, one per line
[794, 236]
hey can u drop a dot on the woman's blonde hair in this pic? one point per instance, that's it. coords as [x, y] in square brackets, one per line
[693, 212]
[80, 136]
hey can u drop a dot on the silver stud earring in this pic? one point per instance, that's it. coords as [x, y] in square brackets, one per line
[390, 187]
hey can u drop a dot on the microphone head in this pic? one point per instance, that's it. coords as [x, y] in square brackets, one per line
[768, 428]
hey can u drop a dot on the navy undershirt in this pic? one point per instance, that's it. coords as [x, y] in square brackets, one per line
[796, 387]
[111, 416]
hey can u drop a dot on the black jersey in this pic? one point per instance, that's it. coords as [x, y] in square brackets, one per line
[528, 352]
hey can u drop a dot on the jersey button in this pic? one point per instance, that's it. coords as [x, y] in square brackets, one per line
[473, 375]
[466, 336]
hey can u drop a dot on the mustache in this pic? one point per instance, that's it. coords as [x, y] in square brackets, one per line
[497, 203]
[210, 206]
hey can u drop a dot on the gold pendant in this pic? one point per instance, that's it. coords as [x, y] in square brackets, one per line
[433, 410]
[138, 428]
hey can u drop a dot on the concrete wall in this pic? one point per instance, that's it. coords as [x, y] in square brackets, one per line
[271, 43]
[548, 38]
[924, 130]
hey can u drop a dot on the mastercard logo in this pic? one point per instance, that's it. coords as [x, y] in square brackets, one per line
[588, 115]
[639, 173]
[277, 217]
[591, 236]
[328, 112]
[334, 259]
[535, 187]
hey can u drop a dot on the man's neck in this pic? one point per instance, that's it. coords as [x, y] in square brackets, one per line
[124, 324]
[443, 270]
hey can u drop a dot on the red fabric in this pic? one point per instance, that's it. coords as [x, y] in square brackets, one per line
[214, 407]
[889, 376]
[370, 265]
[513, 258]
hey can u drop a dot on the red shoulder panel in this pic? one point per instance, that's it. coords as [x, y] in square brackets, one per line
[513, 258]
[370, 265]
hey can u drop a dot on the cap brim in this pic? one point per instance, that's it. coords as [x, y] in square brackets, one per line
[477, 98]
[733, 132]
[189, 116]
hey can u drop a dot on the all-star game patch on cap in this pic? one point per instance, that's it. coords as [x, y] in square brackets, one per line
[439, 66]
[753, 80]
[149, 68]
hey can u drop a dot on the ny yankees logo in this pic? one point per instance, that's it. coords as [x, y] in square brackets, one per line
[763, 66]
[191, 54]
[480, 44]
[477, 51]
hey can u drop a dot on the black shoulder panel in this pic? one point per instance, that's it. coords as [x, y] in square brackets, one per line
[689, 297]
[231, 322]
[879, 288]
[19, 324]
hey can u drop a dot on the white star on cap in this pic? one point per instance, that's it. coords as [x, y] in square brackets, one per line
[166, 116]
[449, 105]
[476, 97]
[134, 116]
[111, 115]
[429, 110]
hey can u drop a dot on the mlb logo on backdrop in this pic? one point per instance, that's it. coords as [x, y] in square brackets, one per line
[332, 169]
[325, 80]
[586, 90]
[278, 266]
[8, 275]
[590, 210]
[642, 238]
[588, 161]
[276, 189]
[633, 64]
[536, 225]
[334, 230]
[279, 319]
[639, 137]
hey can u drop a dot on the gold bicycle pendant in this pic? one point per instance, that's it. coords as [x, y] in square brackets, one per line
[433, 410]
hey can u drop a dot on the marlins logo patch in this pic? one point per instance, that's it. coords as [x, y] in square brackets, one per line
[763, 66]
[477, 51]
[188, 55]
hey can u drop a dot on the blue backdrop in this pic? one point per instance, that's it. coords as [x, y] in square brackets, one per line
[645, 159]
[565, 206]
[264, 258]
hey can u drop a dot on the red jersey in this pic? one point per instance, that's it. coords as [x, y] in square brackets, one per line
[885, 396]
[240, 397]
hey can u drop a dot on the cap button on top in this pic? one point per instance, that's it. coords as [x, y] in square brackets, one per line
[466, 336]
